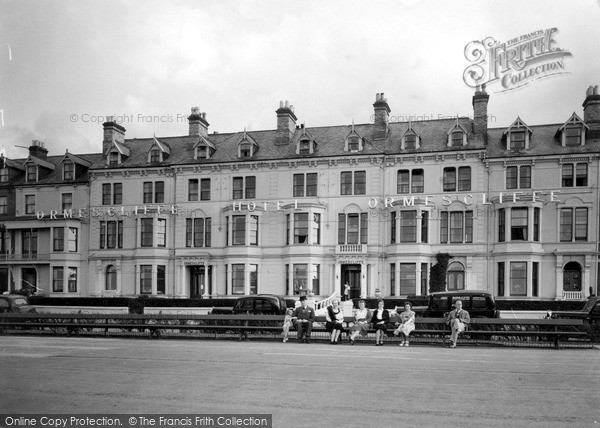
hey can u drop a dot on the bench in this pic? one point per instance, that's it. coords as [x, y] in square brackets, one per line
[491, 329]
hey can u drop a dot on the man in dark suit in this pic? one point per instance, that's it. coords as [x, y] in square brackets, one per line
[304, 316]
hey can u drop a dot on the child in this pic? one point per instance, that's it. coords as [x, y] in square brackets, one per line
[287, 324]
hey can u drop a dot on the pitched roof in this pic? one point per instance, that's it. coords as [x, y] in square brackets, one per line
[40, 162]
[75, 159]
[331, 139]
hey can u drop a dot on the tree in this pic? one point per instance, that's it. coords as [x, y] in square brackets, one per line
[437, 276]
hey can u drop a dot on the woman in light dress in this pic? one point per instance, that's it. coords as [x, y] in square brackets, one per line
[362, 320]
[406, 324]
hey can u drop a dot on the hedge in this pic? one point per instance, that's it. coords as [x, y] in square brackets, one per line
[136, 304]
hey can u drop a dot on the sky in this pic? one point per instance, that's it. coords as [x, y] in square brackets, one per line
[66, 65]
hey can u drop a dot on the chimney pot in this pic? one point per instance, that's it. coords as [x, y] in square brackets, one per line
[596, 90]
[198, 126]
[286, 123]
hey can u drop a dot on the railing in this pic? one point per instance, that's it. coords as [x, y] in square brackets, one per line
[321, 304]
[572, 295]
[351, 249]
[481, 331]
[28, 256]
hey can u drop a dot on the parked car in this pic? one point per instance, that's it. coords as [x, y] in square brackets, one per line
[15, 303]
[479, 304]
[263, 304]
[590, 313]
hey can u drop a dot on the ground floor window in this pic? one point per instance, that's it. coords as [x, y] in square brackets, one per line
[238, 279]
[518, 278]
[408, 278]
[456, 277]
[111, 278]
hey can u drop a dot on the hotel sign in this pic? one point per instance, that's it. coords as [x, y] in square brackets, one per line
[384, 202]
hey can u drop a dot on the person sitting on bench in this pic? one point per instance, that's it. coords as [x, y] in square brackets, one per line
[458, 319]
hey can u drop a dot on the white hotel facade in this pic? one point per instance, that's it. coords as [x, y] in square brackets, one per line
[298, 209]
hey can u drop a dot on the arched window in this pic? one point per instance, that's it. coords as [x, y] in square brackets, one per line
[111, 278]
[456, 277]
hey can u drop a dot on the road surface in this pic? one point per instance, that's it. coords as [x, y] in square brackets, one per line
[303, 385]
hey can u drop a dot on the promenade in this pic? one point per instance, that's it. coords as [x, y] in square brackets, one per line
[314, 385]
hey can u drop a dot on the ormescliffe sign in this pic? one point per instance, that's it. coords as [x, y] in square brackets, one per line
[445, 200]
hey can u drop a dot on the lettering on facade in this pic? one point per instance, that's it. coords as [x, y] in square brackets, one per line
[372, 203]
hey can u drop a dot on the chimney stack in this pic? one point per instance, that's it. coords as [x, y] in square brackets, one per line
[591, 111]
[286, 123]
[480, 115]
[112, 132]
[198, 123]
[381, 117]
[38, 150]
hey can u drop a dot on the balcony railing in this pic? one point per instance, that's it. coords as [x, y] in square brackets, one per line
[572, 295]
[351, 249]
[24, 257]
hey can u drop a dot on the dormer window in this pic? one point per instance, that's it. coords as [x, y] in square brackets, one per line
[113, 158]
[517, 140]
[3, 175]
[68, 171]
[304, 147]
[457, 135]
[517, 136]
[353, 144]
[204, 149]
[457, 139]
[31, 173]
[201, 152]
[245, 150]
[572, 132]
[305, 143]
[573, 135]
[247, 147]
[155, 156]
[410, 141]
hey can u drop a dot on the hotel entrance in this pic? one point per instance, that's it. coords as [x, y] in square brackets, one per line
[200, 281]
[351, 276]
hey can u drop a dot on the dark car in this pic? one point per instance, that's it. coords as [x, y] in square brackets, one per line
[479, 304]
[590, 313]
[15, 303]
[263, 304]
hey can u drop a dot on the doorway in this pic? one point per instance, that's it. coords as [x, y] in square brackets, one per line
[200, 281]
[29, 280]
[351, 276]
[572, 277]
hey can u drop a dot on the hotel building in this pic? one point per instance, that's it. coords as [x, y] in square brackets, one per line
[306, 210]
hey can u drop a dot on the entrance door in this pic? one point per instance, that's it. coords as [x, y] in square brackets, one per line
[351, 276]
[199, 281]
[572, 277]
[29, 279]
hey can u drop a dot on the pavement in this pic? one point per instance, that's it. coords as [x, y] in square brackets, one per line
[303, 385]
